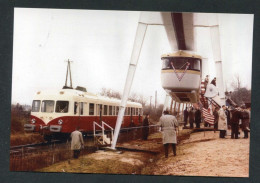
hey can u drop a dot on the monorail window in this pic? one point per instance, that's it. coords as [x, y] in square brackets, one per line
[105, 109]
[47, 106]
[36, 106]
[110, 110]
[62, 106]
[181, 63]
[91, 109]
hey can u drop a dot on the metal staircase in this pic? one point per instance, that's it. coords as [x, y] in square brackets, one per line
[100, 136]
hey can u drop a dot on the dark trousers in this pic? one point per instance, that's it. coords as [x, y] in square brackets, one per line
[234, 130]
[245, 133]
[166, 149]
[191, 124]
[145, 132]
[185, 122]
[76, 154]
[198, 125]
[222, 133]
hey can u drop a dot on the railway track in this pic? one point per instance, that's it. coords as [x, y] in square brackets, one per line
[31, 157]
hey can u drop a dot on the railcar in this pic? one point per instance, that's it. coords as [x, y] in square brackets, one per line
[181, 76]
[57, 113]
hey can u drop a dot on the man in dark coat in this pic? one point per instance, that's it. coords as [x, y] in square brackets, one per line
[145, 130]
[228, 116]
[245, 121]
[236, 115]
[215, 113]
[191, 117]
[186, 115]
[198, 118]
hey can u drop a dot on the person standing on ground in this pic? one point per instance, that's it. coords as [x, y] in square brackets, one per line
[191, 117]
[77, 142]
[245, 121]
[197, 118]
[168, 125]
[236, 115]
[228, 116]
[145, 130]
[185, 116]
[222, 122]
[215, 113]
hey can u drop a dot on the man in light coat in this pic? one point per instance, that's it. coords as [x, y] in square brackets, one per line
[222, 122]
[168, 125]
[76, 142]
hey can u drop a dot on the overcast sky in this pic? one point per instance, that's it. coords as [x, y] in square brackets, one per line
[100, 44]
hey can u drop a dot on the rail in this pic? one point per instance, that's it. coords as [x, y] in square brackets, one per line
[103, 129]
[94, 127]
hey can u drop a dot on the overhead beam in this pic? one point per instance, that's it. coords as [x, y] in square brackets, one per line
[177, 22]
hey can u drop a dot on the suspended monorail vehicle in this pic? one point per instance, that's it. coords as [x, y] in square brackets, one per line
[181, 76]
[55, 114]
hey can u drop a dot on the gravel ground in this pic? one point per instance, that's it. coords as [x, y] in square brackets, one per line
[205, 154]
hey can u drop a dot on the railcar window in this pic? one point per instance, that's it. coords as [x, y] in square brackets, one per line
[91, 109]
[113, 109]
[47, 106]
[126, 111]
[117, 109]
[81, 107]
[110, 110]
[136, 111]
[105, 109]
[132, 111]
[62, 106]
[99, 108]
[36, 106]
[76, 107]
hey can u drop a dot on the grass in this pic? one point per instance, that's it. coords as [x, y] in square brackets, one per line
[114, 163]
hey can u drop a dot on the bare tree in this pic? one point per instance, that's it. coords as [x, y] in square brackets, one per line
[241, 94]
[110, 93]
[236, 83]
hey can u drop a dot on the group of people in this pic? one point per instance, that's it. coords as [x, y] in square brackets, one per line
[192, 115]
[225, 118]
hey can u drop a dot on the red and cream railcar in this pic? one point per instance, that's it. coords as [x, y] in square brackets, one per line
[57, 113]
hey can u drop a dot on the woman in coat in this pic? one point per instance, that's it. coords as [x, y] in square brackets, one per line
[168, 124]
[222, 122]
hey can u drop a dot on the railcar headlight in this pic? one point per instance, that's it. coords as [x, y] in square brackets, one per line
[33, 121]
[60, 122]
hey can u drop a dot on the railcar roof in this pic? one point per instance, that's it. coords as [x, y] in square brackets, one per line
[67, 94]
[181, 53]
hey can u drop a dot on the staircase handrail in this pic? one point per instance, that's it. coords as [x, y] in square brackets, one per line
[94, 127]
[112, 130]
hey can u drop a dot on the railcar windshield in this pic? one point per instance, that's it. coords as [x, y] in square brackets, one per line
[36, 106]
[180, 63]
[62, 106]
[47, 106]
